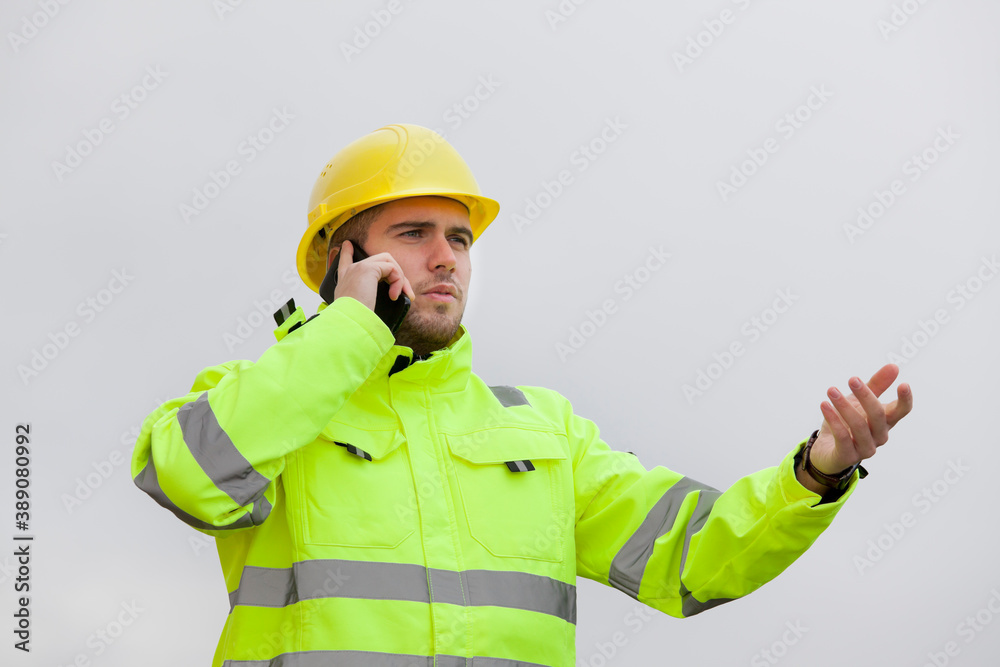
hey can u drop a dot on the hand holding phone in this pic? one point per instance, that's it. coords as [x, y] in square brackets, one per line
[390, 311]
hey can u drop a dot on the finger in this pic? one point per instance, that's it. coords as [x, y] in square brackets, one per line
[901, 406]
[387, 265]
[391, 272]
[400, 287]
[397, 280]
[346, 257]
[836, 425]
[874, 410]
[883, 379]
[855, 421]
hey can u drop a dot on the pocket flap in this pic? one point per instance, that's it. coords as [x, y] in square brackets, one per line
[378, 444]
[500, 445]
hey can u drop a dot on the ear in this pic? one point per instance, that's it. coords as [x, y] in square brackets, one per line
[334, 249]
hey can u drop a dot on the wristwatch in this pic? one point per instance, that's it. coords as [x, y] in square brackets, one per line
[841, 480]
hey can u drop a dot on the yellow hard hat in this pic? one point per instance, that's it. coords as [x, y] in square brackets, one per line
[392, 162]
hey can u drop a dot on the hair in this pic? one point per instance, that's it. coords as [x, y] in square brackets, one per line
[355, 229]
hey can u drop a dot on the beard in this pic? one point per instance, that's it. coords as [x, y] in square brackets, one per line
[430, 328]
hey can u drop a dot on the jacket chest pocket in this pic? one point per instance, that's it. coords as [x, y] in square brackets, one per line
[356, 491]
[513, 482]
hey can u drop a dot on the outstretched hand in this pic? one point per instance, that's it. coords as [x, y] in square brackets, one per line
[855, 426]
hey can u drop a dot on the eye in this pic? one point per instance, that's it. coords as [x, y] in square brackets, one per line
[462, 240]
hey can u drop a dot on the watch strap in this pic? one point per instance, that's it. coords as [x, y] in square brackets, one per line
[841, 480]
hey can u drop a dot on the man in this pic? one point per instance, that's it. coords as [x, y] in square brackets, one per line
[376, 503]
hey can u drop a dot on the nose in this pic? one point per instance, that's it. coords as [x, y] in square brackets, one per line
[441, 254]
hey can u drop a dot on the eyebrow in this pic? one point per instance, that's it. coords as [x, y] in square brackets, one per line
[427, 224]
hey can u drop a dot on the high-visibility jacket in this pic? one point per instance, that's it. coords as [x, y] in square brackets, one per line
[373, 510]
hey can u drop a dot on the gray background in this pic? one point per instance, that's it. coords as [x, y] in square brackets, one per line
[62, 235]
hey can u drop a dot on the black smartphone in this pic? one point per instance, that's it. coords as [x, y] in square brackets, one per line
[389, 311]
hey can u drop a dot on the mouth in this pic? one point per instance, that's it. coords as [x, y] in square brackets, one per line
[444, 293]
[439, 296]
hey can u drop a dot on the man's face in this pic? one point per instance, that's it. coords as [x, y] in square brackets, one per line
[430, 238]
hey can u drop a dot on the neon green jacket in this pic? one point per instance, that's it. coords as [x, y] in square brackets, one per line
[372, 511]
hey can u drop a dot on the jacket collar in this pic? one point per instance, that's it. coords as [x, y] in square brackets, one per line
[445, 370]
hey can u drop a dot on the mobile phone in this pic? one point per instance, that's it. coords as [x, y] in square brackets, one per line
[389, 311]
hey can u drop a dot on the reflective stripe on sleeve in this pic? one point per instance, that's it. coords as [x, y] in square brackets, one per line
[280, 587]
[689, 604]
[215, 452]
[630, 562]
[148, 482]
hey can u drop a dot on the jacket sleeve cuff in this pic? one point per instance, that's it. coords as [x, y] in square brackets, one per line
[366, 318]
[801, 500]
